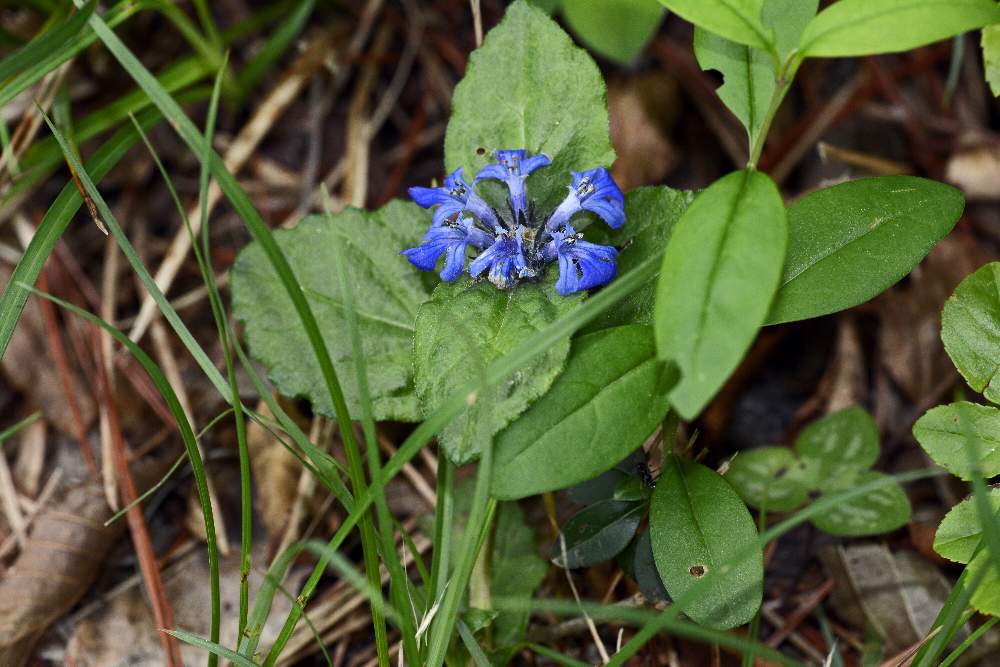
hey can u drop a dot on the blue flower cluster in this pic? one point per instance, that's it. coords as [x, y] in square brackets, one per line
[516, 245]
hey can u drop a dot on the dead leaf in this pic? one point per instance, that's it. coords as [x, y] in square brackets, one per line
[975, 167]
[645, 154]
[275, 473]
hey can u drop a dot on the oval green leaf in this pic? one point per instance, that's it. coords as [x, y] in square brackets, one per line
[720, 271]
[530, 87]
[986, 598]
[847, 439]
[597, 533]
[388, 293]
[699, 525]
[850, 242]
[609, 398]
[970, 330]
[644, 570]
[465, 326]
[952, 435]
[616, 30]
[736, 20]
[879, 511]
[960, 531]
[769, 477]
[867, 27]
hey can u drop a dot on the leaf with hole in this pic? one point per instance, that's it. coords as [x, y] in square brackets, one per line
[956, 435]
[597, 533]
[611, 396]
[528, 86]
[698, 525]
[850, 242]
[619, 30]
[868, 27]
[465, 326]
[970, 330]
[720, 270]
[388, 292]
[960, 531]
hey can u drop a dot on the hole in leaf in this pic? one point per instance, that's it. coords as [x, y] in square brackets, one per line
[780, 472]
[480, 151]
[717, 78]
[814, 494]
[697, 571]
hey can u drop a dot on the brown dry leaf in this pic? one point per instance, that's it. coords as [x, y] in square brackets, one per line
[909, 337]
[975, 167]
[849, 372]
[123, 631]
[275, 472]
[30, 458]
[29, 366]
[64, 553]
[645, 155]
[898, 594]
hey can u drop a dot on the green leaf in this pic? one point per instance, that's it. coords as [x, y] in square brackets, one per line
[970, 330]
[517, 571]
[788, 18]
[597, 533]
[948, 431]
[866, 27]
[961, 531]
[462, 329]
[650, 216]
[644, 570]
[698, 525]
[736, 20]
[530, 87]
[991, 57]
[880, 511]
[748, 78]
[986, 597]
[388, 292]
[843, 440]
[616, 30]
[770, 477]
[719, 274]
[850, 242]
[607, 401]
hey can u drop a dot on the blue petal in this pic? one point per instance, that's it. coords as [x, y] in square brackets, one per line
[611, 212]
[454, 262]
[493, 171]
[449, 238]
[505, 261]
[582, 265]
[427, 197]
[535, 162]
[425, 256]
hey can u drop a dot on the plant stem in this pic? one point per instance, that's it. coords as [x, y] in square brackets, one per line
[783, 82]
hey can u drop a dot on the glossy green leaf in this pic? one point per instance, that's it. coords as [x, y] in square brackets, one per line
[650, 216]
[866, 27]
[530, 87]
[388, 292]
[970, 330]
[769, 477]
[462, 329]
[748, 77]
[991, 57]
[597, 533]
[698, 524]
[517, 571]
[844, 439]
[880, 511]
[720, 270]
[961, 531]
[850, 242]
[610, 397]
[986, 598]
[644, 570]
[617, 30]
[947, 433]
[736, 20]
[601, 487]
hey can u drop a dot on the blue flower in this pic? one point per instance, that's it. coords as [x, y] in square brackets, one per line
[513, 167]
[449, 238]
[457, 196]
[582, 265]
[504, 259]
[593, 191]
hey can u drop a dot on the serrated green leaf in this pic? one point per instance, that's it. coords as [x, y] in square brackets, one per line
[986, 598]
[720, 270]
[597, 533]
[867, 27]
[850, 242]
[517, 571]
[388, 292]
[650, 216]
[464, 327]
[748, 78]
[736, 20]
[698, 524]
[991, 57]
[610, 397]
[530, 87]
[847, 439]
[970, 330]
[948, 431]
[617, 30]
[769, 477]
[960, 531]
[880, 511]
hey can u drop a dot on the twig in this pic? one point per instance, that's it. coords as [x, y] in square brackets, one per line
[477, 21]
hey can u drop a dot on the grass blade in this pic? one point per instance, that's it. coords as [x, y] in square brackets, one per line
[216, 650]
[43, 46]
